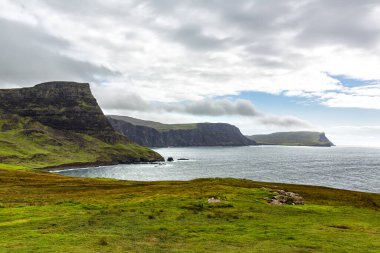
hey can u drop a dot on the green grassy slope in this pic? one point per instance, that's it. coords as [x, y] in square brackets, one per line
[302, 138]
[42, 212]
[27, 144]
[156, 125]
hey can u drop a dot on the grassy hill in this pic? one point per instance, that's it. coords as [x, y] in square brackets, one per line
[156, 125]
[302, 138]
[44, 212]
[27, 144]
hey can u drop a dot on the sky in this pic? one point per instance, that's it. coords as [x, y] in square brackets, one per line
[264, 66]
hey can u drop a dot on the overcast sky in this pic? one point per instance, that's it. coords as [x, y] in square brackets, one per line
[264, 66]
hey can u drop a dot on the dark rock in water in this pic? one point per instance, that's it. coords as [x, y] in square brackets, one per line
[154, 134]
[170, 159]
[183, 159]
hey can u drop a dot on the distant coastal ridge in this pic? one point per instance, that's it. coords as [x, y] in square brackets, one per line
[298, 138]
[156, 134]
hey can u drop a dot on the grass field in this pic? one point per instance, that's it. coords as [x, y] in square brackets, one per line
[44, 212]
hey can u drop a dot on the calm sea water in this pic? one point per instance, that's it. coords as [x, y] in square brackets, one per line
[339, 167]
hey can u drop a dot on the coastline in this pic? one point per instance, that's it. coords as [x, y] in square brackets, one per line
[255, 171]
[57, 169]
[70, 166]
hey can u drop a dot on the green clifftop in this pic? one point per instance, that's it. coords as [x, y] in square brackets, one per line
[57, 124]
[301, 138]
[161, 127]
[155, 134]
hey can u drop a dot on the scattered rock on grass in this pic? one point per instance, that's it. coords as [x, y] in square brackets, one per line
[286, 198]
[213, 200]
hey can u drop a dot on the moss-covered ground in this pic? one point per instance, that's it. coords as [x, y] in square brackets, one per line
[44, 212]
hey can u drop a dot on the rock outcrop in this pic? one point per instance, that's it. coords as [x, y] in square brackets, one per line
[286, 198]
[60, 105]
[165, 135]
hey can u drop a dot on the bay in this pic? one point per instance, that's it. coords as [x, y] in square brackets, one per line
[351, 168]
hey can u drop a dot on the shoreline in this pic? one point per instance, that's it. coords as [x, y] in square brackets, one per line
[56, 171]
[70, 166]
[271, 184]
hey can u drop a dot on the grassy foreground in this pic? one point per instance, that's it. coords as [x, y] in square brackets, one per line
[43, 212]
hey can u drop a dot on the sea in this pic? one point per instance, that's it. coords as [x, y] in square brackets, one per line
[351, 168]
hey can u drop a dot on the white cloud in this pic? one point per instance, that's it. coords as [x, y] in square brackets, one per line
[353, 101]
[355, 135]
[139, 53]
[214, 48]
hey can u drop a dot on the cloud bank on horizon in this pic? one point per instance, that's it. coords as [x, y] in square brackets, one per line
[193, 58]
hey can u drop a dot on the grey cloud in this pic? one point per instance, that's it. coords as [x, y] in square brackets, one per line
[220, 107]
[337, 22]
[259, 17]
[313, 22]
[119, 99]
[260, 35]
[262, 23]
[285, 121]
[269, 62]
[192, 37]
[91, 8]
[130, 101]
[28, 56]
[208, 107]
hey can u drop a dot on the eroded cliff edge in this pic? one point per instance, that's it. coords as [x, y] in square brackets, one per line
[155, 134]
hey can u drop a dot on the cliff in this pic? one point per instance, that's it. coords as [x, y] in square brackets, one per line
[155, 134]
[60, 123]
[302, 138]
[60, 105]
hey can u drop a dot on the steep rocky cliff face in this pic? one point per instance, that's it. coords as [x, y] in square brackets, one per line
[142, 135]
[202, 134]
[60, 105]
[60, 123]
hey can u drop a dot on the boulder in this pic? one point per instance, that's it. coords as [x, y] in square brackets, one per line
[213, 200]
[286, 198]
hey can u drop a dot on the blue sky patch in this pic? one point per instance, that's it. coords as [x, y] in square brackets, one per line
[351, 82]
